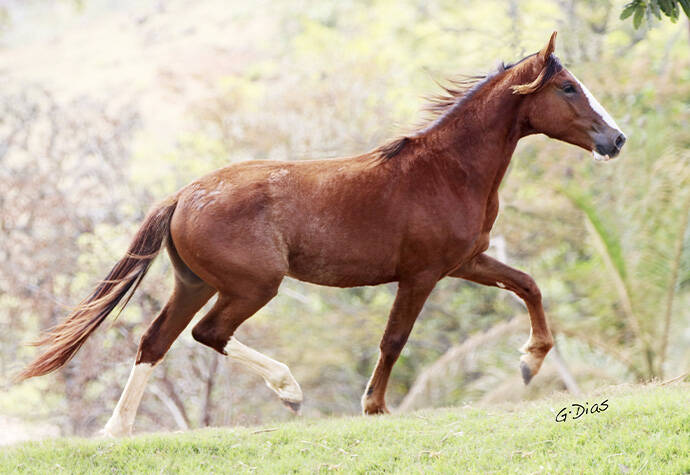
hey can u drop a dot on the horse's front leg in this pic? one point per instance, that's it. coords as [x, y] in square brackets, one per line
[488, 271]
[412, 293]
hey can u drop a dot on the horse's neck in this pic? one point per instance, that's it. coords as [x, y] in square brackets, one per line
[482, 135]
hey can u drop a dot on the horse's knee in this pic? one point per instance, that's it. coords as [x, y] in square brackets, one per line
[392, 345]
[529, 290]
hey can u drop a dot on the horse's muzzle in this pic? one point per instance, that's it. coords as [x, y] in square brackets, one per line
[609, 147]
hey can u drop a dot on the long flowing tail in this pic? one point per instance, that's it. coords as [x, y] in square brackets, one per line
[64, 340]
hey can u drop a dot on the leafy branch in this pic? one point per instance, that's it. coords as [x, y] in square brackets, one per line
[639, 9]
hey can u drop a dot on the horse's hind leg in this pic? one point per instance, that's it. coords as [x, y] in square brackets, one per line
[187, 298]
[216, 330]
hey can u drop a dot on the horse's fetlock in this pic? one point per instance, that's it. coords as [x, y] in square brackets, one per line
[540, 347]
[283, 376]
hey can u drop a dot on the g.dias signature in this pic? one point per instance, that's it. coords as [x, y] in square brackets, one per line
[578, 410]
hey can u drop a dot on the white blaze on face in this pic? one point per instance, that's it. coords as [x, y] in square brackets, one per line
[599, 109]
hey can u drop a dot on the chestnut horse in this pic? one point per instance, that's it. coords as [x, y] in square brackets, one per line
[413, 211]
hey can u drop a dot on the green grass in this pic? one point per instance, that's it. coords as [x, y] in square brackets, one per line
[646, 429]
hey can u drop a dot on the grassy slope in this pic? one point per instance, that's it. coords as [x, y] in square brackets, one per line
[646, 429]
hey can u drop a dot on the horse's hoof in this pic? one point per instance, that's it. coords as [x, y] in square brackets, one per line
[293, 406]
[526, 373]
[375, 410]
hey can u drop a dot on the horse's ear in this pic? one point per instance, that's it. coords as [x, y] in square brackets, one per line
[548, 69]
[549, 48]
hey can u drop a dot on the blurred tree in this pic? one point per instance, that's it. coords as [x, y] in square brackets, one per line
[645, 263]
[63, 176]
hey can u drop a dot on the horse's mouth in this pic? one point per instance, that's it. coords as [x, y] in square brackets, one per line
[601, 158]
[605, 149]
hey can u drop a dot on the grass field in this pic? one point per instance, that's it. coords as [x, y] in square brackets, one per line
[644, 429]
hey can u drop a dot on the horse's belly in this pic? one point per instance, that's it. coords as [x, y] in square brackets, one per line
[342, 268]
[335, 279]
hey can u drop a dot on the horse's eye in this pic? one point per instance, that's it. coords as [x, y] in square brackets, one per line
[569, 89]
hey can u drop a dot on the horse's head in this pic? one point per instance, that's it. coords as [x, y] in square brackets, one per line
[558, 105]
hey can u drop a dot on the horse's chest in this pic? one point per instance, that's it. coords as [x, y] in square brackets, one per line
[490, 213]
[476, 222]
[470, 240]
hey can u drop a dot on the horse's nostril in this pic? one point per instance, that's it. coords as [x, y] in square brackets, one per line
[620, 141]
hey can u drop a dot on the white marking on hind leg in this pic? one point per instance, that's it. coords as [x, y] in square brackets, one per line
[276, 374]
[121, 422]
